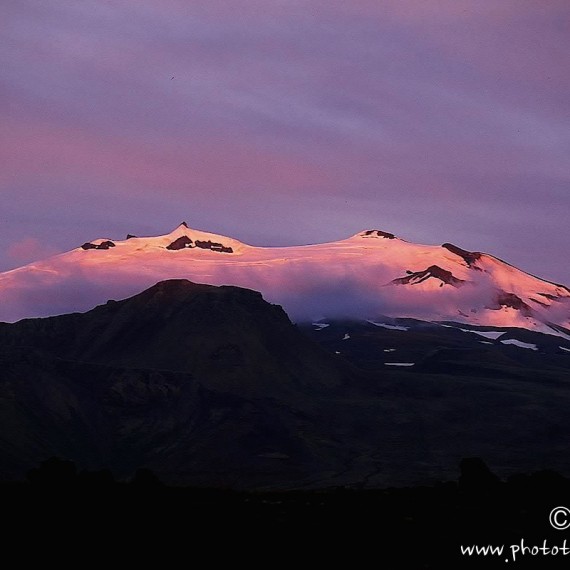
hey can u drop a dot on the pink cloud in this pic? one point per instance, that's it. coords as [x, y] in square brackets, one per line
[29, 249]
[36, 151]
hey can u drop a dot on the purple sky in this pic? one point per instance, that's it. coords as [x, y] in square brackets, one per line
[287, 122]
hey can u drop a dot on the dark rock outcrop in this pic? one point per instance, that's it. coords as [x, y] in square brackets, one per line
[415, 277]
[103, 245]
[504, 299]
[182, 242]
[470, 257]
[378, 233]
[214, 246]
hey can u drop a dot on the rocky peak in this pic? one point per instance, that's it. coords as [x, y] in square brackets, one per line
[377, 234]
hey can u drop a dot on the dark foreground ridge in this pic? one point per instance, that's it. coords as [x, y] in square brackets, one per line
[213, 386]
[417, 527]
[202, 384]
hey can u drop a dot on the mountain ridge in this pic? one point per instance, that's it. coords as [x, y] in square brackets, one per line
[174, 320]
[372, 272]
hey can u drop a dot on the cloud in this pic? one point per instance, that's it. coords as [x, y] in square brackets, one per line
[29, 249]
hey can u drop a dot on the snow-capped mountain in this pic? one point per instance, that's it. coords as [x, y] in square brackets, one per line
[369, 274]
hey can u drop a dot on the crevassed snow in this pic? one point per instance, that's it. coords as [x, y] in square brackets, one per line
[390, 327]
[520, 343]
[399, 363]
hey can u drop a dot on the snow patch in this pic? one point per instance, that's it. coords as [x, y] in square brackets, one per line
[399, 363]
[520, 344]
[346, 336]
[564, 348]
[494, 335]
[320, 326]
[390, 327]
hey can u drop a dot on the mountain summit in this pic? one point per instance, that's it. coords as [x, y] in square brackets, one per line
[369, 274]
[203, 384]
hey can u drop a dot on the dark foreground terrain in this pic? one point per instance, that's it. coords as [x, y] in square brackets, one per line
[200, 423]
[212, 386]
[420, 527]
